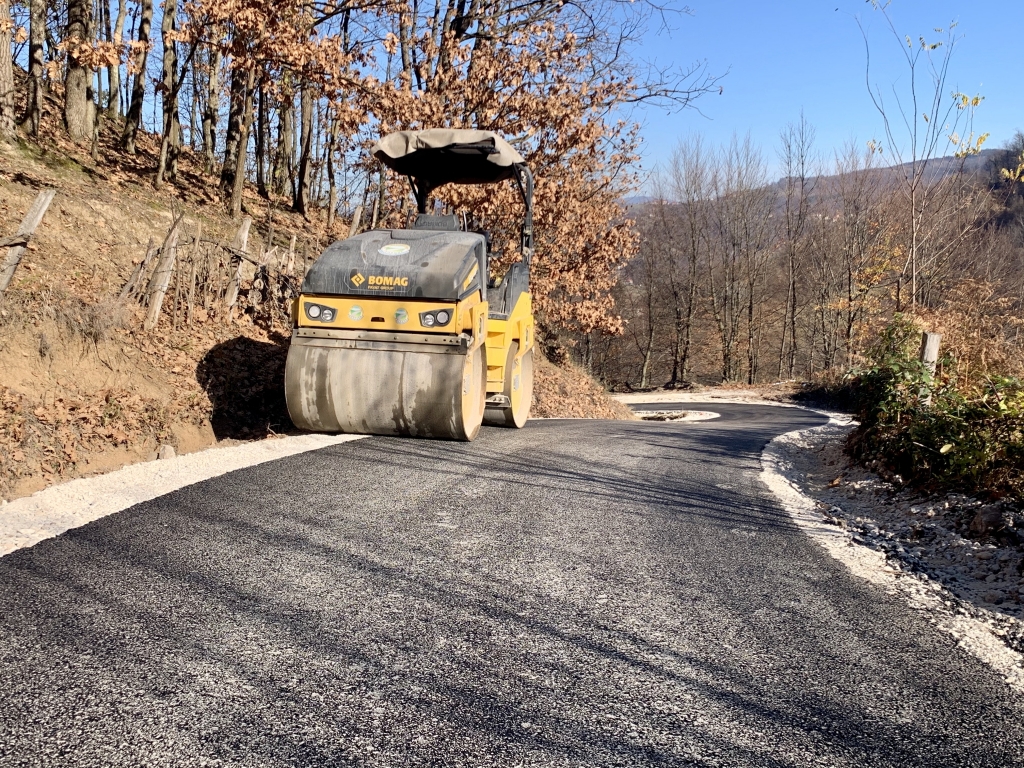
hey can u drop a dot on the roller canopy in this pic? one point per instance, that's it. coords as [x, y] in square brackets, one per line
[440, 156]
[449, 156]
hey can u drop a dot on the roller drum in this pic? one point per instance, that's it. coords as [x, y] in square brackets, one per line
[386, 392]
[518, 392]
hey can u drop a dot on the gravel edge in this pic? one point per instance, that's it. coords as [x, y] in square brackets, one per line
[59, 508]
[675, 415]
[974, 629]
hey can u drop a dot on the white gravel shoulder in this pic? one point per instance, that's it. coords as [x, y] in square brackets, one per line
[677, 415]
[700, 396]
[50, 512]
[792, 466]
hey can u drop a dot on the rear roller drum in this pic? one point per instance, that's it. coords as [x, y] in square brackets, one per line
[518, 389]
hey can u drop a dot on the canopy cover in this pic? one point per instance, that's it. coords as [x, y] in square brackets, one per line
[449, 156]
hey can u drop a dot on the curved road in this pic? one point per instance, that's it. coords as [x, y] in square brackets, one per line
[577, 593]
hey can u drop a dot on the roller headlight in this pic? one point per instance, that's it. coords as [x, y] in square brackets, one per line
[320, 313]
[436, 317]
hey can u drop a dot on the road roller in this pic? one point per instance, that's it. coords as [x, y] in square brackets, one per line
[408, 331]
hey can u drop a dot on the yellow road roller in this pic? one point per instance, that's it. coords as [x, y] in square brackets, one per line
[405, 331]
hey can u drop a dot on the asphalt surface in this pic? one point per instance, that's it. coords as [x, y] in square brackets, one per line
[572, 594]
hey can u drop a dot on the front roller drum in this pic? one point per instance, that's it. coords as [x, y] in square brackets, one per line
[385, 391]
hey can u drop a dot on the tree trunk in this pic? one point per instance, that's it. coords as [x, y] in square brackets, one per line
[300, 201]
[107, 32]
[36, 40]
[245, 122]
[210, 114]
[7, 126]
[114, 74]
[262, 131]
[285, 131]
[236, 108]
[195, 136]
[332, 194]
[134, 119]
[170, 146]
[78, 96]
[645, 372]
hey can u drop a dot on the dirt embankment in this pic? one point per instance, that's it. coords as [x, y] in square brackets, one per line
[566, 392]
[84, 389]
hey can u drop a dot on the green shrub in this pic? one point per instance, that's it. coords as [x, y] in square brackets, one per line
[933, 431]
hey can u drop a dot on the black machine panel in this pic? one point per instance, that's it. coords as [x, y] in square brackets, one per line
[502, 295]
[417, 263]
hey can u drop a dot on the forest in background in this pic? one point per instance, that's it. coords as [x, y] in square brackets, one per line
[745, 280]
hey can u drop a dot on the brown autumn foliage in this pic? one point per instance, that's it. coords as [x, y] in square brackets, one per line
[537, 88]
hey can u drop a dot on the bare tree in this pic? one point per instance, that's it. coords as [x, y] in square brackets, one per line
[133, 121]
[740, 229]
[798, 186]
[79, 106]
[114, 70]
[922, 126]
[37, 39]
[690, 185]
[7, 126]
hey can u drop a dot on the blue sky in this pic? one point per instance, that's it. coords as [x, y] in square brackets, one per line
[784, 56]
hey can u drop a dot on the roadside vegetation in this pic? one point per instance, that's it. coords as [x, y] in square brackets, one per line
[957, 429]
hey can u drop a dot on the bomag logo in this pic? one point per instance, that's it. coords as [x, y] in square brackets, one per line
[386, 281]
[357, 279]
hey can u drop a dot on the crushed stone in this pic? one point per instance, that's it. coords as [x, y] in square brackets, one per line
[50, 512]
[671, 415]
[905, 543]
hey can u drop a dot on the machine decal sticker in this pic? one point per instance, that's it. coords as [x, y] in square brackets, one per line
[394, 249]
[387, 281]
[355, 312]
[357, 279]
[401, 317]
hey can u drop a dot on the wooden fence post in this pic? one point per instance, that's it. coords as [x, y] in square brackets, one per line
[20, 240]
[162, 275]
[929, 356]
[356, 217]
[290, 267]
[930, 349]
[240, 243]
[138, 273]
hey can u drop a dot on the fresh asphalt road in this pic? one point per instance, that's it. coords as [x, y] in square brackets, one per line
[576, 593]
